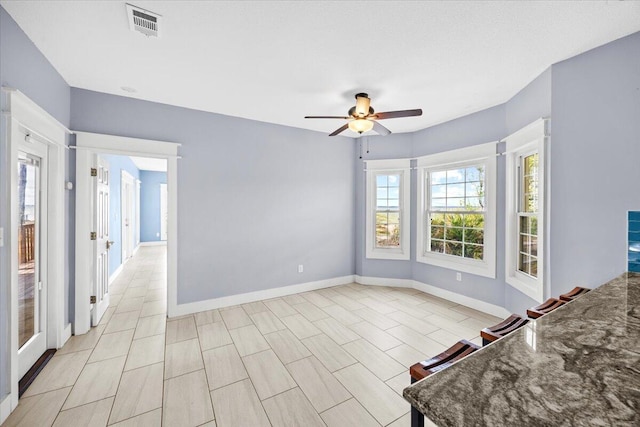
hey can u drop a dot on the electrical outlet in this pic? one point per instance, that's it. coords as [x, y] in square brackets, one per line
[459, 277]
[300, 268]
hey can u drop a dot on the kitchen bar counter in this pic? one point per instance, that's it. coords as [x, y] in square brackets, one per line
[577, 366]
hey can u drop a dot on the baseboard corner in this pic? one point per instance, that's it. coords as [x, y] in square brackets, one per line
[476, 304]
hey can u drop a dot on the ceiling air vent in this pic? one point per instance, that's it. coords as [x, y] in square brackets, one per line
[143, 21]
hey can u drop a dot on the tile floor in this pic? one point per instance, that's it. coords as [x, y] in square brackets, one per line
[336, 357]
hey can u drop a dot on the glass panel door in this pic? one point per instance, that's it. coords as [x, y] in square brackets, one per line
[28, 247]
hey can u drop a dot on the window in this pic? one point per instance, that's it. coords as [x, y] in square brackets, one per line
[456, 213]
[528, 214]
[525, 208]
[387, 210]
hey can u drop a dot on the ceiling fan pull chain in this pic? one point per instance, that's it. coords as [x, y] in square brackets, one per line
[360, 147]
[367, 145]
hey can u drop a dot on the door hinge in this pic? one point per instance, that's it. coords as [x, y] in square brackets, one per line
[39, 286]
[94, 172]
[94, 235]
[92, 299]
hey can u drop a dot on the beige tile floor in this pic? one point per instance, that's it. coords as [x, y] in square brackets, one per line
[336, 357]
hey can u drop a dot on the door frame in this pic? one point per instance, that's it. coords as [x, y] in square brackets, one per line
[137, 216]
[130, 180]
[24, 115]
[88, 144]
[40, 150]
[163, 193]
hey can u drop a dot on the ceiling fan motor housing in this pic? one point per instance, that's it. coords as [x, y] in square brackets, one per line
[363, 105]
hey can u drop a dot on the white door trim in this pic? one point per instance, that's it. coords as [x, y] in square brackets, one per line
[163, 210]
[137, 216]
[128, 178]
[86, 145]
[24, 114]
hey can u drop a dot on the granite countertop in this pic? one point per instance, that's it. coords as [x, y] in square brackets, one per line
[577, 366]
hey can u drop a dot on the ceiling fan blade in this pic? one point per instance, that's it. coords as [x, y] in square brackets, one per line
[339, 130]
[327, 117]
[381, 130]
[396, 114]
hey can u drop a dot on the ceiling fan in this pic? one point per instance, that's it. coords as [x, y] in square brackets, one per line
[363, 118]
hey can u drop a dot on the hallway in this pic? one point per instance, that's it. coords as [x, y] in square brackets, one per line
[115, 371]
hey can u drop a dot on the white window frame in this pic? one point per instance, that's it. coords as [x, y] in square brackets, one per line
[401, 167]
[482, 153]
[528, 140]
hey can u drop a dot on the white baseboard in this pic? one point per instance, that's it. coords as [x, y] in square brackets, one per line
[198, 306]
[157, 243]
[5, 408]
[383, 281]
[210, 304]
[136, 249]
[115, 273]
[66, 334]
[476, 304]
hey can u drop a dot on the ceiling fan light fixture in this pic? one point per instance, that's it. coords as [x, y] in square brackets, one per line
[363, 102]
[360, 125]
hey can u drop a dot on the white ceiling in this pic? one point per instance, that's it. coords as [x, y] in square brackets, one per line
[148, 164]
[279, 61]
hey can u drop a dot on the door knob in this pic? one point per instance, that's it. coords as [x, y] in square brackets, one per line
[110, 243]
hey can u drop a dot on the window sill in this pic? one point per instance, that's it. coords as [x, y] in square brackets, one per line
[393, 254]
[479, 268]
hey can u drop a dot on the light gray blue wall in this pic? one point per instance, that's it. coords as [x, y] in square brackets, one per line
[22, 67]
[254, 199]
[595, 173]
[532, 102]
[150, 205]
[117, 164]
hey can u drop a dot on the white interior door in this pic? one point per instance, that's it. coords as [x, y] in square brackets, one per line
[102, 244]
[32, 254]
[163, 212]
